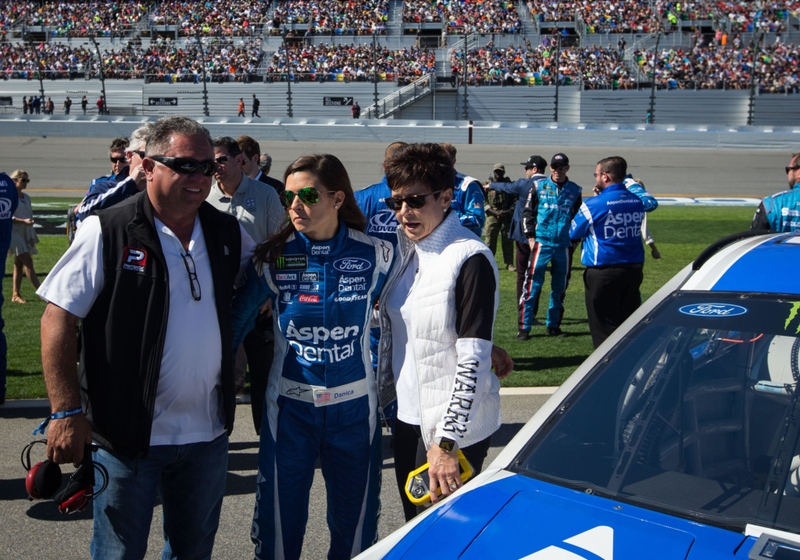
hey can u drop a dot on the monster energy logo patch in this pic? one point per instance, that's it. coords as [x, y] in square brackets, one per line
[792, 315]
[292, 262]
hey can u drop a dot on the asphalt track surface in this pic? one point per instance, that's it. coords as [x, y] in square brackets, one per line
[66, 166]
[37, 530]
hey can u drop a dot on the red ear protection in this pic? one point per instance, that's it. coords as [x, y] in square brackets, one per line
[44, 480]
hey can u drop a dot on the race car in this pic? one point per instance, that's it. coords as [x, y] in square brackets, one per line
[676, 439]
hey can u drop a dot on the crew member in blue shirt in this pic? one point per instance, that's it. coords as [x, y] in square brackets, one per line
[552, 204]
[610, 225]
[9, 200]
[381, 221]
[467, 197]
[781, 212]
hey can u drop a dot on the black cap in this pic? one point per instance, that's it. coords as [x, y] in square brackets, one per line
[559, 160]
[535, 161]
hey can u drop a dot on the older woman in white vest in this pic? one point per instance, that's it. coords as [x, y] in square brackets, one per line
[437, 317]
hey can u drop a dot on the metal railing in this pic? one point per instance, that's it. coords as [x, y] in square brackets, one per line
[401, 98]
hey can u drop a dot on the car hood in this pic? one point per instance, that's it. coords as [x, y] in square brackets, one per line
[521, 518]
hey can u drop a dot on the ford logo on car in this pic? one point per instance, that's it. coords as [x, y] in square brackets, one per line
[352, 264]
[713, 310]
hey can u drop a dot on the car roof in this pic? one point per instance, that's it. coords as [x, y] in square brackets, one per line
[762, 264]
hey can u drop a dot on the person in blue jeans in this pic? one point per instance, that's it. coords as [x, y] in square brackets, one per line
[151, 282]
[9, 200]
[551, 206]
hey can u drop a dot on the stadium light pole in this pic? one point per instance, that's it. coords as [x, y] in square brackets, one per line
[375, 69]
[39, 66]
[558, 63]
[464, 78]
[102, 75]
[288, 76]
[653, 91]
[203, 66]
[751, 110]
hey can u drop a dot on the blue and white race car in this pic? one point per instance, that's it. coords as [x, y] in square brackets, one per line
[678, 438]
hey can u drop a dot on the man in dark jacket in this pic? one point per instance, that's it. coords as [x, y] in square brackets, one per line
[155, 381]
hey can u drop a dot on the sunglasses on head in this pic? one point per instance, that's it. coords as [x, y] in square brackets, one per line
[187, 166]
[119, 160]
[308, 196]
[415, 201]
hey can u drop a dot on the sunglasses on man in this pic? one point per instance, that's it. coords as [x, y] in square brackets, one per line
[308, 196]
[187, 166]
[792, 168]
[119, 160]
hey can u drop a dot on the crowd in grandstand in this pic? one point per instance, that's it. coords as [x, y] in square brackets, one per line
[78, 19]
[351, 63]
[19, 61]
[213, 17]
[465, 16]
[717, 67]
[595, 67]
[338, 17]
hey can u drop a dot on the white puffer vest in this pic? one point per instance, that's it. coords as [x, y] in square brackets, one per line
[441, 256]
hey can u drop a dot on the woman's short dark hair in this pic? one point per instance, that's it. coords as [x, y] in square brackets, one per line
[428, 165]
[330, 172]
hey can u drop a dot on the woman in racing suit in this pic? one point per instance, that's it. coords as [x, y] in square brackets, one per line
[323, 275]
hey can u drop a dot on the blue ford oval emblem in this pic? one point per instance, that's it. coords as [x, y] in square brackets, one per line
[352, 264]
[713, 310]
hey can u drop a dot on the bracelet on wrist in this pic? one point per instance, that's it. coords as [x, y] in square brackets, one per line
[57, 416]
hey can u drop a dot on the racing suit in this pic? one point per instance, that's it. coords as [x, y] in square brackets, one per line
[381, 223]
[610, 225]
[548, 212]
[779, 212]
[9, 200]
[321, 397]
[468, 203]
[521, 188]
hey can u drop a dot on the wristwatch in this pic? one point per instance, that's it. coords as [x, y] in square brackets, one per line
[446, 444]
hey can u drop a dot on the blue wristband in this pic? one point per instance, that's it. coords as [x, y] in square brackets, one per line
[66, 413]
[56, 416]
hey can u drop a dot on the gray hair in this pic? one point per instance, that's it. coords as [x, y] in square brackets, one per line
[165, 128]
[265, 163]
[141, 135]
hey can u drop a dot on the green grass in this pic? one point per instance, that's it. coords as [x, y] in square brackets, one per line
[680, 233]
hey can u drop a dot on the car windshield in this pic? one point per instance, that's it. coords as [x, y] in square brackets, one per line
[694, 413]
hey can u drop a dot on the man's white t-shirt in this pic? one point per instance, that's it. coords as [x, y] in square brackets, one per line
[189, 399]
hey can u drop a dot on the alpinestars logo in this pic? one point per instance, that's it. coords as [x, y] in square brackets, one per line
[134, 259]
[599, 541]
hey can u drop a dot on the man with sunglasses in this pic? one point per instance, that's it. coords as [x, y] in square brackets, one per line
[258, 209]
[781, 212]
[552, 204]
[105, 194]
[150, 280]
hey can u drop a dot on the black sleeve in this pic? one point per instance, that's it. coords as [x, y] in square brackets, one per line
[475, 289]
[760, 221]
[529, 214]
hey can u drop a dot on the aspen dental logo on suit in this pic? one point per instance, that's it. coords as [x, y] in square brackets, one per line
[315, 351]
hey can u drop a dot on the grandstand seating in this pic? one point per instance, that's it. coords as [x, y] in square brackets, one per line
[716, 55]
